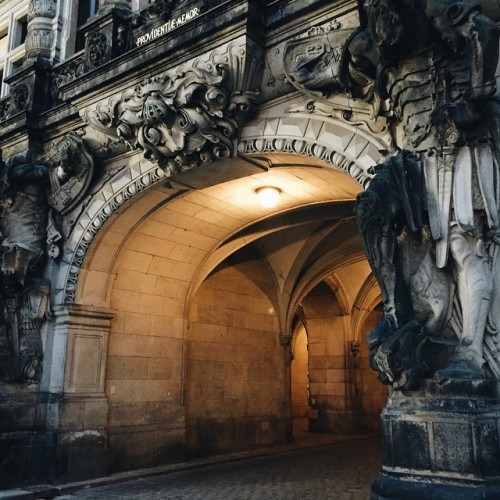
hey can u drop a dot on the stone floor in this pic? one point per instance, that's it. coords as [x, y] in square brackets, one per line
[316, 467]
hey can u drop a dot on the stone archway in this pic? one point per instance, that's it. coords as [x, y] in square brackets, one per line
[154, 260]
[106, 285]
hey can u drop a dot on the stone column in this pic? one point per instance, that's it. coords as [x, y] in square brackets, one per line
[285, 340]
[120, 4]
[40, 36]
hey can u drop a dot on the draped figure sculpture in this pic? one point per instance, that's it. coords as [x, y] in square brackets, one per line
[25, 294]
[429, 220]
[33, 194]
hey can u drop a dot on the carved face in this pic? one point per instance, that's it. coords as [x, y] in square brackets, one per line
[68, 163]
[384, 23]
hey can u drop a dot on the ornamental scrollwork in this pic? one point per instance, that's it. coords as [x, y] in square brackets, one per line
[66, 73]
[179, 121]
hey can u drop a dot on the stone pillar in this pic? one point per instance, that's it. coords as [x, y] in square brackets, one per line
[40, 36]
[442, 442]
[285, 342]
[82, 436]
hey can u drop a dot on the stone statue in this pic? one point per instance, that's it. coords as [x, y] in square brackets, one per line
[429, 220]
[23, 223]
[30, 192]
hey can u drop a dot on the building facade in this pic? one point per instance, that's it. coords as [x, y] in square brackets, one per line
[167, 313]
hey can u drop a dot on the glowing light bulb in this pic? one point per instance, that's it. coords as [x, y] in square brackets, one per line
[268, 196]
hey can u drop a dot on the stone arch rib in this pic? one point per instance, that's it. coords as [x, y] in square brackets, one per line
[329, 140]
[127, 184]
[340, 145]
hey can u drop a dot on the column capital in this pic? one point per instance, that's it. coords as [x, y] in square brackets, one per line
[40, 36]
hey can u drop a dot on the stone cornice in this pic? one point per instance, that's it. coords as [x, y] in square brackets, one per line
[204, 33]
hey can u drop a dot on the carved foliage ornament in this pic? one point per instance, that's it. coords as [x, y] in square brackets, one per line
[180, 121]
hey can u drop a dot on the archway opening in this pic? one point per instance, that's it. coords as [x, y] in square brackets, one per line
[202, 282]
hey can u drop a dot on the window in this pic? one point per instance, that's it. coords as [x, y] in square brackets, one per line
[86, 9]
[4, 45]
[13, 31]
[20, 31]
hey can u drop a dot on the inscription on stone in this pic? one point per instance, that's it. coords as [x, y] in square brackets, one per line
[167, 27]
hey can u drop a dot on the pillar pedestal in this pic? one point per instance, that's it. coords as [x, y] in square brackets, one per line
[441, 443]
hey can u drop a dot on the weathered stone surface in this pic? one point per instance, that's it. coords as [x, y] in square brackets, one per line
[440, 441]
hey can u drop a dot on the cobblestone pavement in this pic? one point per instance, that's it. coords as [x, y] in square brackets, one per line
[338, 471]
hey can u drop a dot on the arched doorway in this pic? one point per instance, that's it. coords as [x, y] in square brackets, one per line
[202, 282]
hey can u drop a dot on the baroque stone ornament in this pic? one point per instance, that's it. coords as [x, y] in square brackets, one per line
[436, 201]
[429, 218]
[65, 73]
[179, 121]
[429, 223]
[313, 63]
[4, 108]
[20, 95]
[98, 51]
[157, 10]
[29, 234]
[71, 173]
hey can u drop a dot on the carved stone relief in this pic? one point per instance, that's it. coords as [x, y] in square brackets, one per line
[33, 194]
[98, 49]
[184, 119]
[20, 94]
[4, 108]
[315, 65]
[158, 9]
[65, 73]
[429, 218]
[40, 36]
